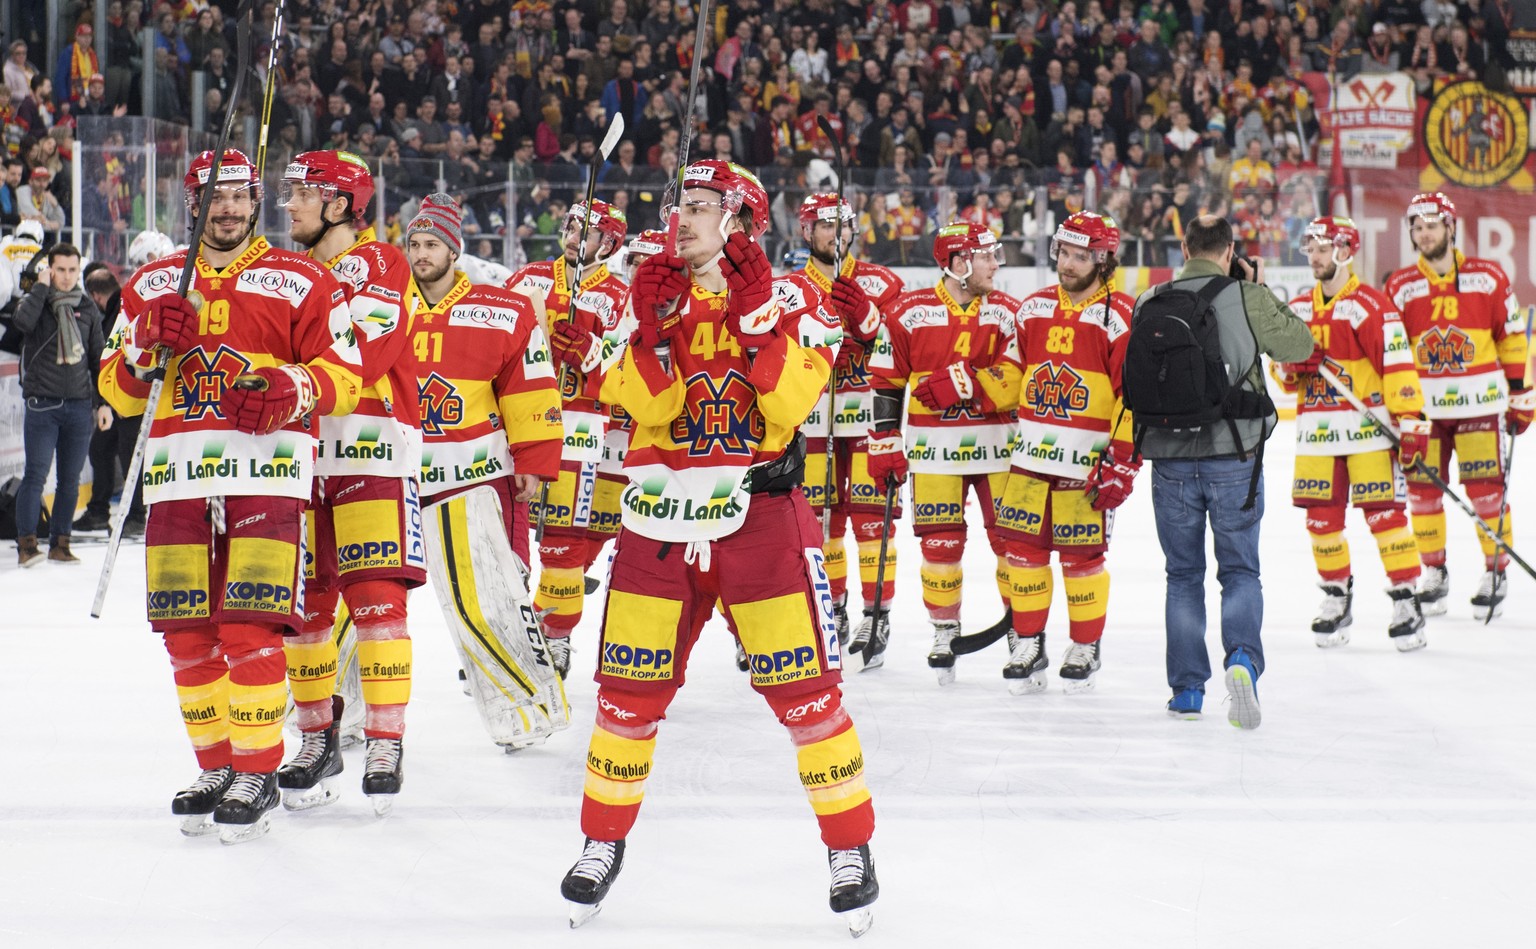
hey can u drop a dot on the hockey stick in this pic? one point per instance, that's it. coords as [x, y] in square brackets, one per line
[270, 84]
[243, 17]
[610, 141]
[837, 271]
[1424, 469]
[880, 629]
[674, 190]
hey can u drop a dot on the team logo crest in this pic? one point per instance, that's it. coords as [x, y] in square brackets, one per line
[1477, 137]
[441, 405]
[1055, 392]
[201, 379]
[853, 371]
[1319, 393]
[1444, 350]
[724, 419]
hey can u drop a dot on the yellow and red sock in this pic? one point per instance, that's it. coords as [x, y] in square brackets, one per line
[258, 694]
[1428, 508]
[941, 573]
[1394, 541]
[383, 654]
[1330, 551]
[1087, 585]
[202, 688]
[312, 662]
[619, 760]
[1030, 588]
[866, 530]
[831, 765]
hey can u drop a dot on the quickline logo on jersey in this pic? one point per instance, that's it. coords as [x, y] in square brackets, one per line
[282, 465]
[1055, 392]
[201, 379]
[1445, 351]
[442, 407]
[721, 416]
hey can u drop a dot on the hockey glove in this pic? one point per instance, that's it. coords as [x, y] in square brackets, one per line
[1413, 443]
[267, 399]
[1311, 364]
[1522, 408]
[659, 281]
[572, 344]
[169, 322]
[1110, 481]
[946, 388]
[887, 459]
[851, 304]
[749, 309]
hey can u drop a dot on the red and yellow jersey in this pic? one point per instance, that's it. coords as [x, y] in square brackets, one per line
[925, 331]
[382, 436]
[708, 409]
[490, 406]
[855, 395]
[1362, 341]
[269, 307]
[601, 299]
[1069, 358]
[1467, 334]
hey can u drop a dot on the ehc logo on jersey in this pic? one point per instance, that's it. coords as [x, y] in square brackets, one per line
[1445, 350]
[201, 379]
[441, 405]
[723, 418]
[1319, 392]
[853, 372]
[1054, 391]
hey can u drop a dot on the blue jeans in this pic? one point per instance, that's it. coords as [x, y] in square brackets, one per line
[1184, 494]
[53, 427]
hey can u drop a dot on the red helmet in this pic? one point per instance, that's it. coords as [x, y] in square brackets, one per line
[333, 173]
[647, 243]
[823, 206]
[1433, 205]
[962, 238]
[235, 168]
[1098, 233]
[737, 187]
[1341, 232]
[608, 220]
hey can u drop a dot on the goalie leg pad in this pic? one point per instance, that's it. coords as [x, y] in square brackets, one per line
[482, 587]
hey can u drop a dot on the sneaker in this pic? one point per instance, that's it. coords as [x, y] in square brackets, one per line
[1407, 628]
[93, 521]
[27, 552]
[1242, 691]
[58, 552]
[1186, 705]
[1434, 586]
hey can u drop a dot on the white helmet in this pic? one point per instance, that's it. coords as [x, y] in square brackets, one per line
[30, 228]
[148, 246]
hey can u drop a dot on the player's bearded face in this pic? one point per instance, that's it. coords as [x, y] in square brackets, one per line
[572, 244]
[430, 258]
[1431, 238]
[1075, 269]
[230, 210]
[1320, 257]
[823, 242]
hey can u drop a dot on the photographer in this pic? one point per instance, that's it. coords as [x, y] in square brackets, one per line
[1206, 473]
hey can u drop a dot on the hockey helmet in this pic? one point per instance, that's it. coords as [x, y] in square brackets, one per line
[965, 239]
[333, 172]
[738, 188]
[607, 220]
[1433, 205]
[647, 243]
[234, 168]
[1340, 232]
[1097, 233]
[823, 206]
[148, 246]
[30, 229]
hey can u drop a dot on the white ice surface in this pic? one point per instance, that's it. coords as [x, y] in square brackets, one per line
[1388, 800]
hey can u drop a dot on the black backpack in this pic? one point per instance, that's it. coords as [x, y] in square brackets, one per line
[8, 492]
[1174, 376]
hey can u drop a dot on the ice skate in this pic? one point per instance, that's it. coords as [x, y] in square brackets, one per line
[876, 633]
[586, 884]
[1434, 587]
[941, 658]
[195, 804]
[840, 615]
[1407, 629]
[854, 887]
[1490, 596]
[560, 654]
[1242, 692]
[1079, 667]
[306, 778]
[242, 814]
[464, 683]
[1027, 664]
[383, 773]
[1331, 627]
[743, 661]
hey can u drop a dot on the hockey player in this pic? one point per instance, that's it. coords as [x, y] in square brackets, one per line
[1073, 462]
[148, 246]
[718, 377]
[491, 431]
[230, 460]
[1342, 455]
[603, 525]
[1469, 343]
[576, 341]
[948, 343]
[857, 295]
[364, 518]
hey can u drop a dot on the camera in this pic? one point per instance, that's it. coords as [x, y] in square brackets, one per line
[1236, 271]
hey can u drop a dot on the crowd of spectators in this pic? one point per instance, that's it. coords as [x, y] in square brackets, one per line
[1011, 113]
